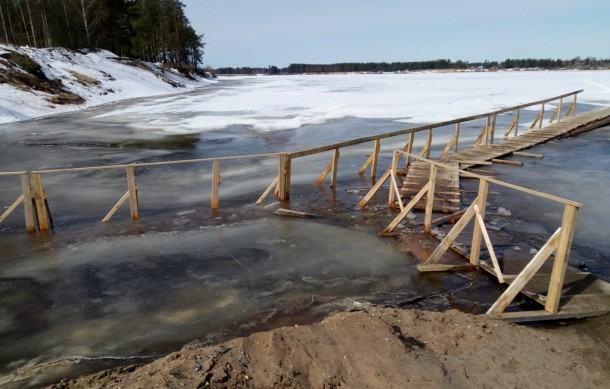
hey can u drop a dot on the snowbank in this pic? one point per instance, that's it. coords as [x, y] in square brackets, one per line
[98, 77]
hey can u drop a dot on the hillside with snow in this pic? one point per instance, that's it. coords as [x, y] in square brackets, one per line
[40, 82]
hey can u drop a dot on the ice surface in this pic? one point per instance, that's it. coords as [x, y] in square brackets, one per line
[289, 102]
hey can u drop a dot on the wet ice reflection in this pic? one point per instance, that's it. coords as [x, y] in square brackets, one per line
[150, 293]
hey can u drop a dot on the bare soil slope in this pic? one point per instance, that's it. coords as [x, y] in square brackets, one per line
[385, 348]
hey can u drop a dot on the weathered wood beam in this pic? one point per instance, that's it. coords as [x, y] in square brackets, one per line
[526, 274]
[568, 225]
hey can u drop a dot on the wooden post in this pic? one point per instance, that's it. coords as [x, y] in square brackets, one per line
[568, 225]
[410, 149]
[456, 135]
[393, 187]
[284, 177]
[376, 149]
[40, 197]
[132, 188]
[487, 127]
[541, 116]
[430, 199]
[493, 129]
[215, 183]
[335, 164]
[40, 201]
[429, 143]
[572, 110]
[28, 208]
[475, 249]
[559, 110]
[517, 122]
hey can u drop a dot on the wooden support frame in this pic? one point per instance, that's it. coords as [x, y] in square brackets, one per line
[487, 130]
[526, 274]
[131, 194]
[481, 202]
[284, 173]
[331, 168]
[405, 211]
[24, 198]
[272, 186]
[568, 225]
[514, 125]
[539, 119]
[394, 191]
[216, 179]
[428, 142]
[556, 113]
[116, 207]
[451, 236]
[492, 130]
[572, 109]
[453, 142]
[364, 201]
[409, 149]
[490, 247]
[40, 201]
[11, 208]
[132, 188]
[430, 199]
[28, 207]
[372, 160]
[560, 242]
[335, 168]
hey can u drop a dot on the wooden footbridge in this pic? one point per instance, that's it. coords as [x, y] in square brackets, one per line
[430, 185]
[486, 152]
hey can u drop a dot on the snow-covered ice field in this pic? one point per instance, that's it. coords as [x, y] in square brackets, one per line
[290, 102]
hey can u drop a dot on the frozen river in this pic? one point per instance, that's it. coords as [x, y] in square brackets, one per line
[89, 295]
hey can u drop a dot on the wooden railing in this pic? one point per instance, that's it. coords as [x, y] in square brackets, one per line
[34, 198]
[559, 243]
[486, 136]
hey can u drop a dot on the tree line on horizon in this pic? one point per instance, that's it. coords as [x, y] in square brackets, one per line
[150, 30]
[439, 64]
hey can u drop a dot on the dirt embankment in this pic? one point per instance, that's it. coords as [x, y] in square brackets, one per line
[385, 348]
[26, 74]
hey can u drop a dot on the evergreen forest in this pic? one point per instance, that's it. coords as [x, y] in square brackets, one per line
[151, 30]
[439, 64]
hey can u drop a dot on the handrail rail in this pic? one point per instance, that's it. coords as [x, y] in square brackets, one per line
[148, 164]
[315, 150]
[492, 180]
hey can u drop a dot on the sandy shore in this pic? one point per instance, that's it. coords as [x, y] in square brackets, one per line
[385, 348]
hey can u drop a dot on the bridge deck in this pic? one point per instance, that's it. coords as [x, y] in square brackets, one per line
[567, 127]
[447, 197]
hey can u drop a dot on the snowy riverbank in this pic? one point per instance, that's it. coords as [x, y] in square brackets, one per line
[27, 91]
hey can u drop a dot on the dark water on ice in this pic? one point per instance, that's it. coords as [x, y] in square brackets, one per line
[88, 296]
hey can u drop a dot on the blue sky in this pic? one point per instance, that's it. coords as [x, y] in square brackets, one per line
[260, 33]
